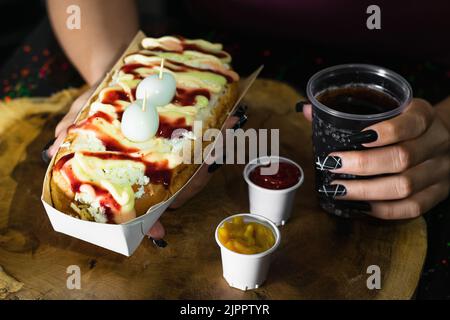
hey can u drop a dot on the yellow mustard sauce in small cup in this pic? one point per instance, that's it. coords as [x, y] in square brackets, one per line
[245, 237]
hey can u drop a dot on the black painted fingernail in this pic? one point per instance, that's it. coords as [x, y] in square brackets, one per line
[45, 157]
[363, 137]
[240, 123]
[214, 166]
[362, 206]
[299, 106]
[160, 243]
[240, 111]
[44, 153]
[333, 190]
[328, 163]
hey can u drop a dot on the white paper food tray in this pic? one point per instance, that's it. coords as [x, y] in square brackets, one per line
[120, 238]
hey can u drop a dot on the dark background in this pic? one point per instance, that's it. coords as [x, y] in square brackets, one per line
[33, 64]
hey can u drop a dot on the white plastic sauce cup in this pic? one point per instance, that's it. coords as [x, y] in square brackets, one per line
[274, 204]
[247, 271]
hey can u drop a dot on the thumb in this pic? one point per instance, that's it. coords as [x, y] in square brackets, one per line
[157, 231]
[55, 146]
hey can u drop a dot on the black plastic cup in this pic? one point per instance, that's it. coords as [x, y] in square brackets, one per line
[331, 128]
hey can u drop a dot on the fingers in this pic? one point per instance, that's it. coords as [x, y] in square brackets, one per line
[75, 108]
[390, 159]
[413, 147]
[230, 122]
[55, 146]
[413, 206]
[401, 196]
[62, 126]
[69, 118]
[307, 112]
[157, 231]
[413, 122]
[398, 186]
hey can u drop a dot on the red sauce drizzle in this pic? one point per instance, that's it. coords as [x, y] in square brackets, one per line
[75, 184]
[112, 144]
[87, 123]
[130, 68]
[158, 172]
[108, 212]
[186, 97]
[287, 176]
[107, 202]
[62, 161]
[103, 115]
[167, 127]
[106, 199]
[111, 156]
[183, 97]
[180, 67]
[193, 46]
[111, 97]
[109, 142]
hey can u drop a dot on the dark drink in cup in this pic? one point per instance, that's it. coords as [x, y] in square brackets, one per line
[346, 99]
[358, 100]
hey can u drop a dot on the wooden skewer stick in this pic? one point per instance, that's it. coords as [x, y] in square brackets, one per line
[144, 102]
[161, 68]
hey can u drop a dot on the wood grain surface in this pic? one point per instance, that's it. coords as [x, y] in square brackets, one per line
[320, 256]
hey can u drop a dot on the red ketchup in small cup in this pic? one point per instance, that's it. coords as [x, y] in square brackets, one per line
[288, 175]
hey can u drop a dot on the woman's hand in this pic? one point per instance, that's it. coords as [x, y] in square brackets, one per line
[69, 118]
[414, 150]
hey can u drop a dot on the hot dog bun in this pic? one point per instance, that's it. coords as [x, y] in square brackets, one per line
[98, 174]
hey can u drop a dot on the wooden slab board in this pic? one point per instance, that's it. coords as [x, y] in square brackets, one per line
[320, 257]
